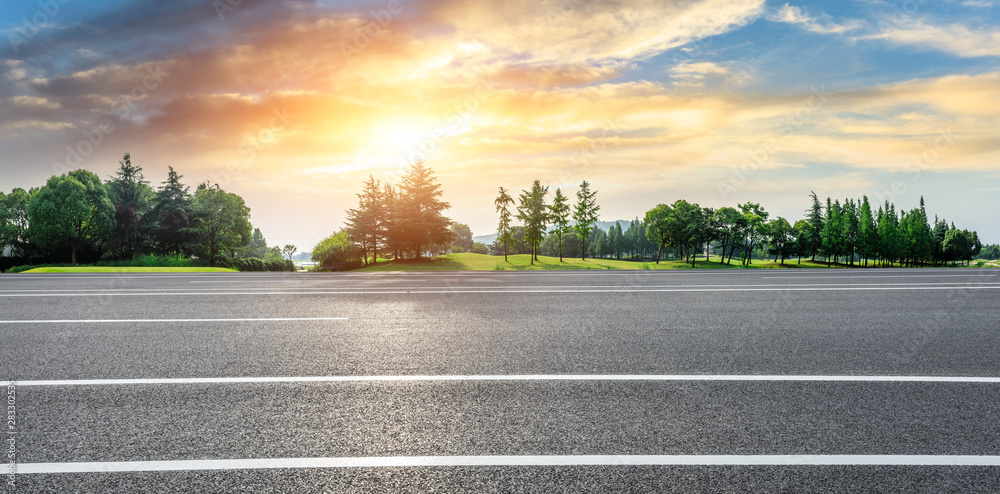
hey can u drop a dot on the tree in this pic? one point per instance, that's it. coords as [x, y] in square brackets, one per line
[504, 237]
[132, 197]
[815, 242]
[685, 225]
[71, 210]
[366, 225]
[559, 212]
[171, 214]
[956, 245]
[804, 235]
[782, 238]
[258, 244]
[832, 232]
[756, 229]
[727, 221]
[220, 223]
[867, 232]
[657, 223]
[585, 214]
[289, 250]
[534, 213]
[337, 252]
[463, 238]
[14, 221]
[418, 213]
[599, 244]
[393, 239]
[849, 230]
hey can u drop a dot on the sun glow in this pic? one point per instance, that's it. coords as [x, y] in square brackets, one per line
[395, 135]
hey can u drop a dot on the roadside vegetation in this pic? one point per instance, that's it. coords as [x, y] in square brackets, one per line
[398, 227]
[76, 218]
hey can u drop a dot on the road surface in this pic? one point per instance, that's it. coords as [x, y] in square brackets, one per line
[645, 381]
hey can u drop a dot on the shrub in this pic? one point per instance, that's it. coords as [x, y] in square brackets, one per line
[253, 264]
[336, 253]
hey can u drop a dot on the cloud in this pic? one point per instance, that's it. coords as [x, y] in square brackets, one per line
[701, 74]
[957, 39]
[791, 14]
[590, 30]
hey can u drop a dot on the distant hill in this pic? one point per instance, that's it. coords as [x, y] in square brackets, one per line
[603, 225]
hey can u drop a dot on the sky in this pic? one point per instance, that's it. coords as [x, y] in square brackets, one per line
[292, 104]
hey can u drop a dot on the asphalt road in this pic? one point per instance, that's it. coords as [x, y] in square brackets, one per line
[611, 368]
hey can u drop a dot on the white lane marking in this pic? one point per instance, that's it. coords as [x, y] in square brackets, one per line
[507, 461]
[793, 277]
[516, 377]
[789, 288]
[78, 321]
[365, 286]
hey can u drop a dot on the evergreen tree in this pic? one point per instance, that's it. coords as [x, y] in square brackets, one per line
[816, 220]
[171, 214]
[867, 232]
[132, 197]
[585, 215]
[534, 213]
[559, 212]
[418, 213]
[504, 236]
[832, 231]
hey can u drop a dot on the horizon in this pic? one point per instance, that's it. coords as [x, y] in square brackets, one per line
[292, 104]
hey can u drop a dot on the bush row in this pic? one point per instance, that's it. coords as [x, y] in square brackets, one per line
[258, 265]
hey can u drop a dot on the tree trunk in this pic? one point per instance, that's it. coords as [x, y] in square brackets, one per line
[72, 256]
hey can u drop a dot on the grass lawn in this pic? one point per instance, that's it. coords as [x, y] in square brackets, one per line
[481, 262]
[130, 269]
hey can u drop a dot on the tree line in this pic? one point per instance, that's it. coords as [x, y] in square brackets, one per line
[391, 222]
[852, 232]
[78, 217]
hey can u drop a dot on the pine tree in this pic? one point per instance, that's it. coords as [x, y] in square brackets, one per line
[418, 212]
[559, 212]
[585, 215]
[816, 220]
[504, 237]
[533, 212]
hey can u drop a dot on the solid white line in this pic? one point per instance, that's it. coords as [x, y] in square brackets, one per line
[416, 291]
[78, 321]
[508, 461]
[522, 377]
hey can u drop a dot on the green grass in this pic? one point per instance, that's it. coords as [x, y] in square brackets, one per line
[127, 269]
[481, 262]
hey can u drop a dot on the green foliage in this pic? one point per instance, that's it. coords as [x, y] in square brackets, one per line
[368, 224]
[220, 224]
[463, 238]
[504, 236]
[72, 210]
[559, 212]
[171, 215]
[14, 217]
[418, 217]
[585, 214]
[534, 213]
[782, 238]
[657, 223]
[337, 253]
[258, 244]
[132, 198]
[253, 264]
